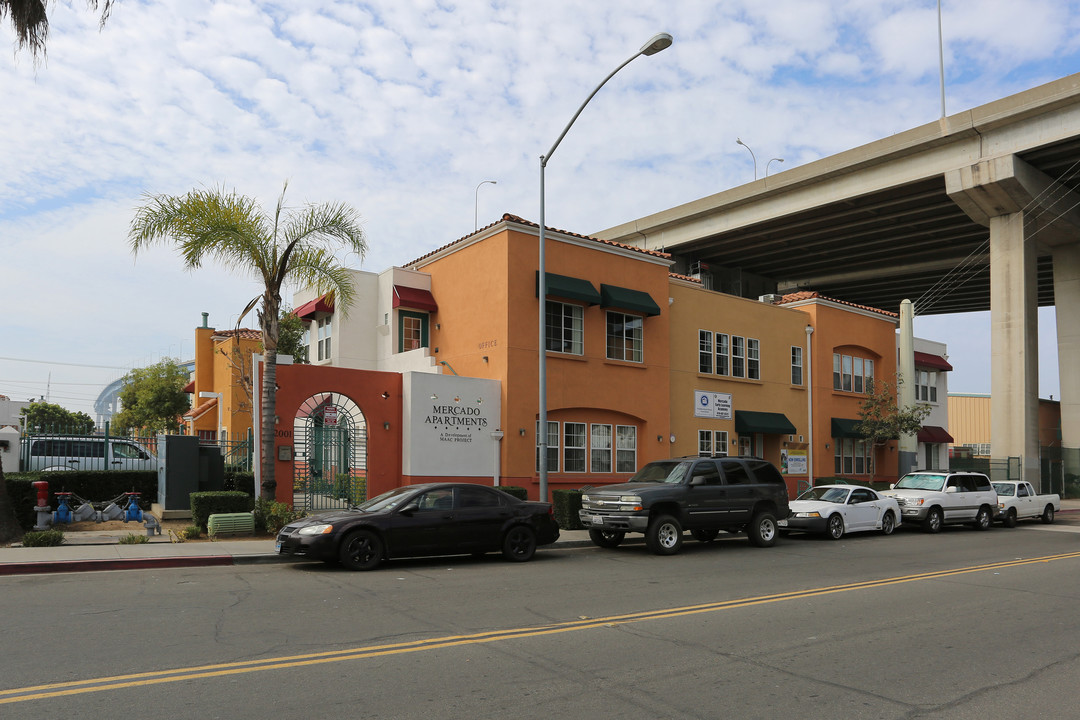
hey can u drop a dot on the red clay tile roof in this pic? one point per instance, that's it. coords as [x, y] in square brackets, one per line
[507, 217]
[243, 333]
[197, 412]
[687, 278]
[811, 294]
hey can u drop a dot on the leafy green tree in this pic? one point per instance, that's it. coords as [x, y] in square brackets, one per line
[31, 22]
[153, 398]
[881, 419]
[291, 341]
[48, 417]
[290, 245]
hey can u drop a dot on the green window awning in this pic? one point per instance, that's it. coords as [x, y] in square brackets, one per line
[569, 287]
[844, 428]
[633, 300]
[748, 422]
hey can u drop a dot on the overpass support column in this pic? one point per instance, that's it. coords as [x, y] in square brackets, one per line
[1067, 300]
[1014, 353]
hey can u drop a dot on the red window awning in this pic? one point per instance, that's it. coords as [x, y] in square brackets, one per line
[190, 387]
[934, 435]
[415, 298]
[308, 310]
[927, 360]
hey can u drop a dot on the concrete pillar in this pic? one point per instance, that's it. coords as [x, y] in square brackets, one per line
[1014, 347]
[1067, 300]
[908, 445]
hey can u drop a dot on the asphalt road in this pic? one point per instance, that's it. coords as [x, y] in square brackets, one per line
[964, 624]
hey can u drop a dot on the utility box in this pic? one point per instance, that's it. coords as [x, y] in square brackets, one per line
[211, 468]
[178, 473]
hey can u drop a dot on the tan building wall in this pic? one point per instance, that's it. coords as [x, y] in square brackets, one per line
[694, 311]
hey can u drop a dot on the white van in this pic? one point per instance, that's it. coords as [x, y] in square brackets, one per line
[88, 453]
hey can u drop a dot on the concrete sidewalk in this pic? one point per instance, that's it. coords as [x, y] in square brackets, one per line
[86, 551]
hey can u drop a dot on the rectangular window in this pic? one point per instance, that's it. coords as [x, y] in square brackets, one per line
[600, 449]
[412, 330]
[324, 324]
[573, 447]
[796, 365]
[838, 444]
[836, 384]
[738, 356]
[933, 389]
[625, 448]
[705, 351]
[704, 443]
[720, 443]
[846, 372]
[722, 367]
[753, 359]
[860, 457]
[552, 449]
[857, 372]
[746, 445]
[849, 453]
[624, 337]
[565, 332]
[868, 370]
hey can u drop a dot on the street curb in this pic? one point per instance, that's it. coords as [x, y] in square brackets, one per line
[59, 566]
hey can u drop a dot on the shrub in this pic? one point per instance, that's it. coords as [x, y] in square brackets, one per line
[205, 504]
[133, 539]
[519, 492]
[43, 538]
[271, 516]
[566, 504]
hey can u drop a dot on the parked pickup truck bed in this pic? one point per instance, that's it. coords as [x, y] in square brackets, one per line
[1018, 500]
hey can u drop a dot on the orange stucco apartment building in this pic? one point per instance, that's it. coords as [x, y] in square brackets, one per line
[642, 364]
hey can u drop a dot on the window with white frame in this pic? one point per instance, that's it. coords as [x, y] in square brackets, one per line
[565, 332]
[796, 365]
[574, 447]
[720, 443]
[625, 448]
[600, 449]
[852, 373]
[753, 359]
[323, 334]
[723, 366]
[553, 446]
[926, 386]
[738, 356]
[704, 443]
[852, 456]
[712, 443]
[705, 351]
[624, 337]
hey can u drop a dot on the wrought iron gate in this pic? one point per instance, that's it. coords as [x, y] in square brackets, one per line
[330, 467]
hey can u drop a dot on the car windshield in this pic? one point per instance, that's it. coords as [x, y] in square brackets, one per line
[1006, 489]
[825, 494]
[386, 501]
[664, 471]
[921, 481]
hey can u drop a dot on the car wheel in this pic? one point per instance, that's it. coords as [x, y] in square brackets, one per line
[982, 519]
[1048, 515]
[888, 523]
[705, 535]
[664, 535]
[933, 521]
[519, 544]
[762, 530]
[1010, 518]
[361, 550]
[606, 538]
[834, 527]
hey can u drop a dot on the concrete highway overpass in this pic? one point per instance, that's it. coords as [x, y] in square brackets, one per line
[977, 211]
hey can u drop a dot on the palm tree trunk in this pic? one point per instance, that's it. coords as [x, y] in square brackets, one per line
[9, 524]
[269, 321]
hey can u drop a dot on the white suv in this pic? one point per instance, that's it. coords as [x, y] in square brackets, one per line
[938, 497]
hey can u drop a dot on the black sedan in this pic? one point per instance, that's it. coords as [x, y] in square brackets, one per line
[416, 520]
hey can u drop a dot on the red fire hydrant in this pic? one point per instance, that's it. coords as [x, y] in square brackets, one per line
[42, 488]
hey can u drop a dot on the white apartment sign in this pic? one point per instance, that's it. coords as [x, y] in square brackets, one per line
[448, 425]
[712, 405]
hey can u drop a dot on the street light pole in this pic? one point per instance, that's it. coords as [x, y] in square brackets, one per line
[738, 140]
[770, 163]
[476, 198]
[655, 44]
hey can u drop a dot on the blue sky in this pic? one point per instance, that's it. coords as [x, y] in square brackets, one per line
[401, 108]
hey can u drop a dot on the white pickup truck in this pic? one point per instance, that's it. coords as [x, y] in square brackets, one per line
[1018, 500]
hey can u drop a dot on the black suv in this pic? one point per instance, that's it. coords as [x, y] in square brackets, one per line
[701, 494]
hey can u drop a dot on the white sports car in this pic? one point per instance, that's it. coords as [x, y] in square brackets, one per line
[838, 509]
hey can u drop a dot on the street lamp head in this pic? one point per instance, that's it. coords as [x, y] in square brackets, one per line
[658, 42]
[739, 140]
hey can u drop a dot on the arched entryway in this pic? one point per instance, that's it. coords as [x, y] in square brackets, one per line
[330, 444]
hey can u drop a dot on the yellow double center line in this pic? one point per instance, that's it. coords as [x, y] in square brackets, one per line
[77, 687]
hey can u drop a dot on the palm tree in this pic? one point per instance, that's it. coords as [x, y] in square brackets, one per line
[31, 23]
[10, 530]
[291, 246]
